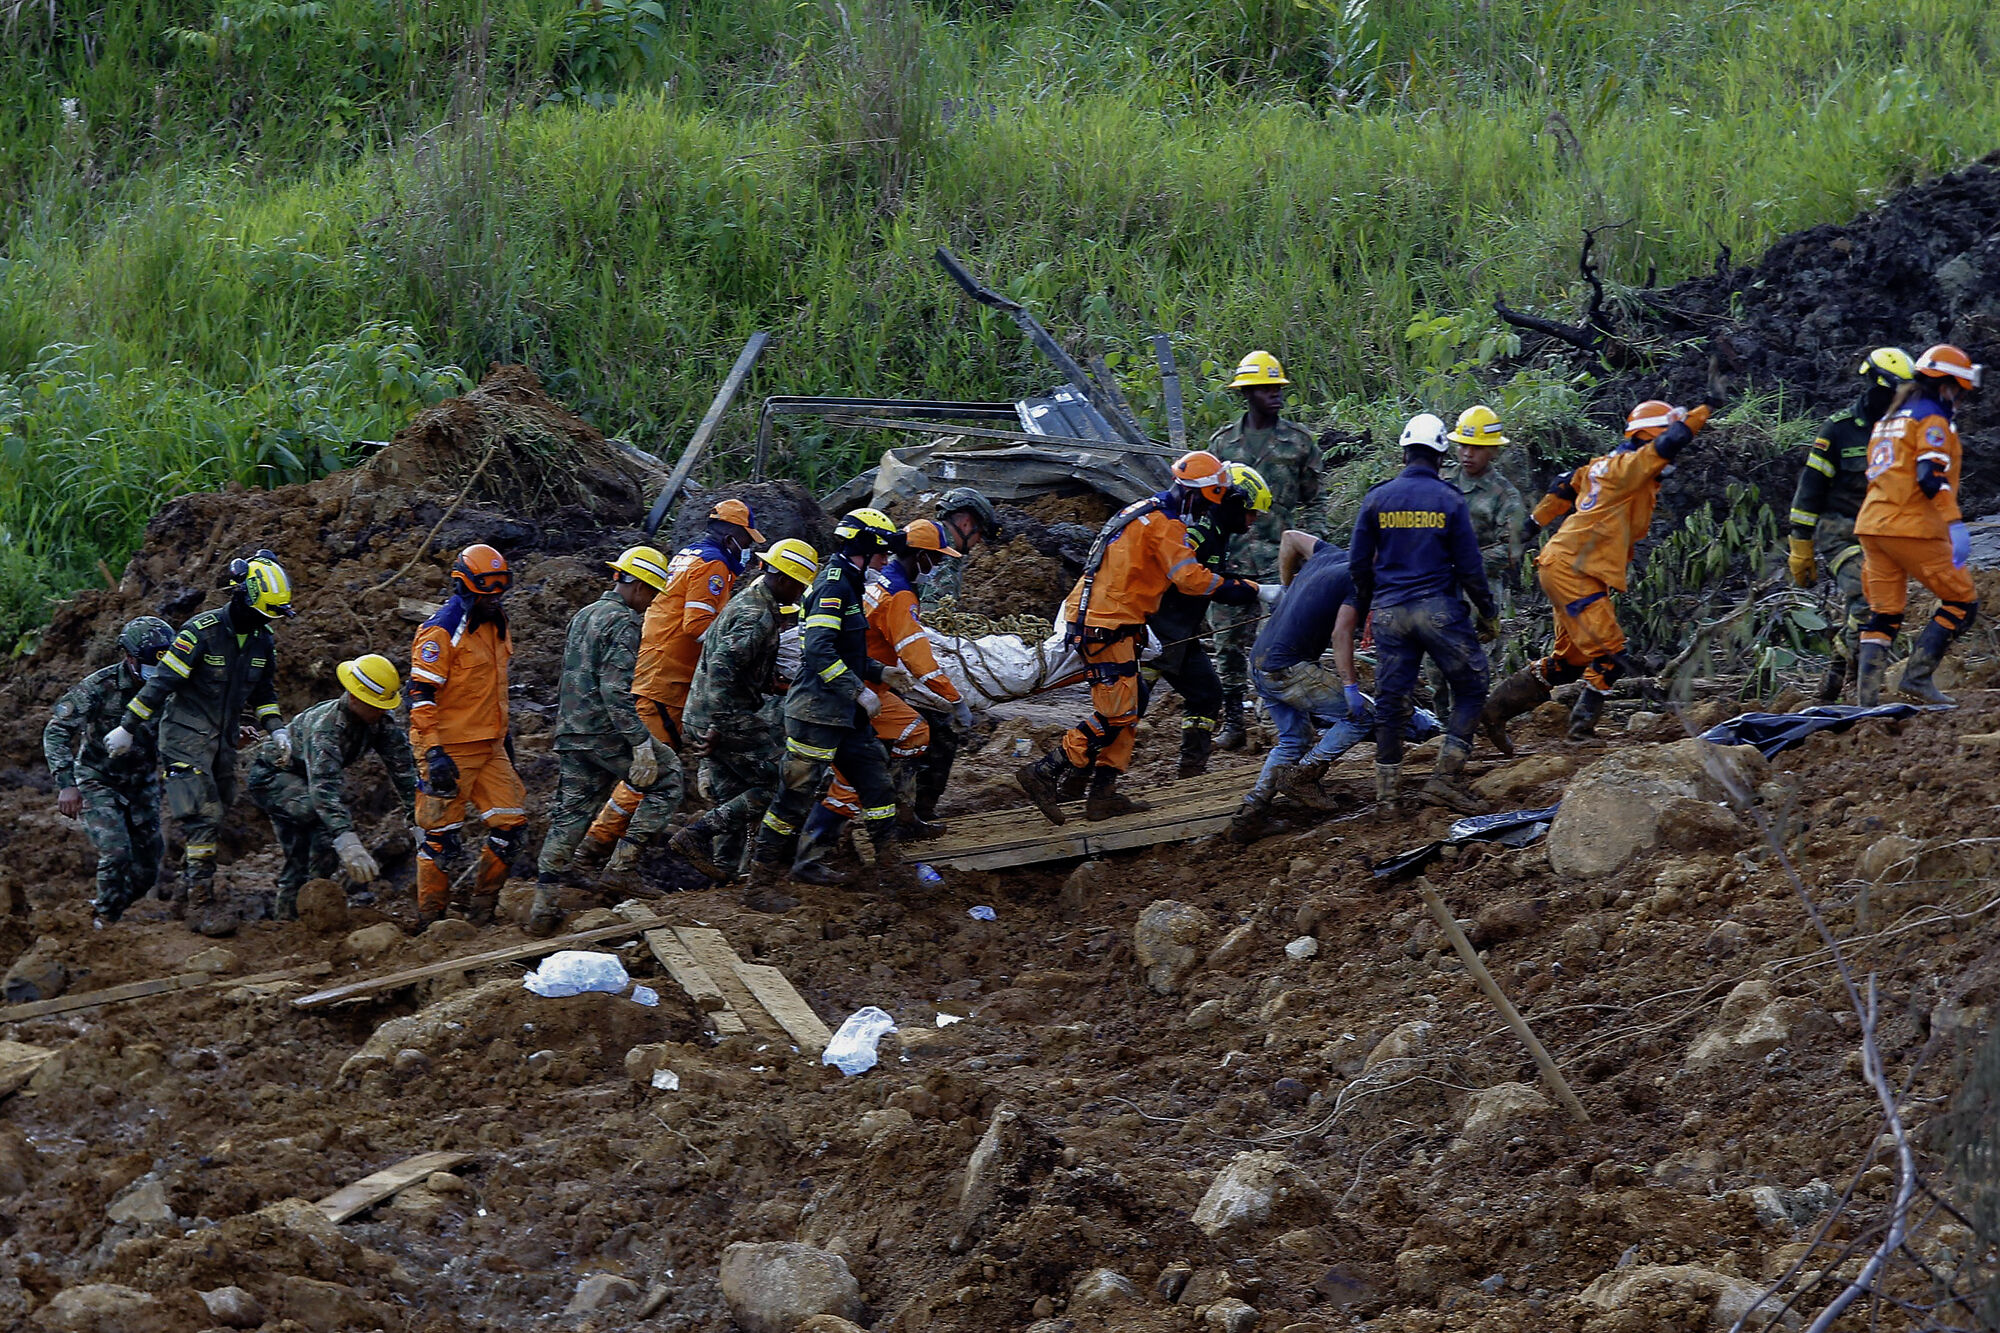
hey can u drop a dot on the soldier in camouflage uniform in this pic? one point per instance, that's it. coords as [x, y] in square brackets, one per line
[732, 721]
[1499, 516]
[222, 663]
[301, 792]
[1288, 458]
[599, 738]
[116, 799]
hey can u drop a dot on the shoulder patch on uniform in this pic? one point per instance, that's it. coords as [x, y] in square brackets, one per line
[715, 584]
[1934, 436]
[203, 621]
[429, 652]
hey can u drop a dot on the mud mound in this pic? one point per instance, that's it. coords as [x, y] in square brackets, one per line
[1014, 578]
[510, 445]
[783, 509]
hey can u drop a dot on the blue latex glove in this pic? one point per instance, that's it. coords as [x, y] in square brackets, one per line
[1961, 546]
[1358, 710]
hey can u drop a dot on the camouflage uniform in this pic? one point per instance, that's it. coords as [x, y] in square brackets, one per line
[304, 799]
[597, 728]
[1289, 460]
[121, 797]
[1500, 522]
[731, 700]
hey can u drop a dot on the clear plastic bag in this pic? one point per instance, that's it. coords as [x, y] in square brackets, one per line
[575, 971]
[852, 1050]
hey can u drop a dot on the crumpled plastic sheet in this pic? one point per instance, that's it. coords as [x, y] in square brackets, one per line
[1514, 828]
[1773, 733]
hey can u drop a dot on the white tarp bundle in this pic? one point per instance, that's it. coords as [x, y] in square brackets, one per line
[990, 669]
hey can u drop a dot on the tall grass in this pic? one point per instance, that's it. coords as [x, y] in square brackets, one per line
[620, 198]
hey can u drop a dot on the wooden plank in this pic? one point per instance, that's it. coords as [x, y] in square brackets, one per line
[703, 431]
[783, 1002]
[693, 978]
[532, 949]
[368, 1191]
[717, 959]
[136, 990]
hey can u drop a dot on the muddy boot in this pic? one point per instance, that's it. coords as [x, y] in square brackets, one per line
[1446, 786]
[1232, 735]
[893, 875]
[1196, 743]
[1834, 680]
[1869, 663]
[819, 843]
[592, 852]
[1252, 821]
[1388, 786]
[625, 859]
[545, 915]
[1105, 801]
[1583, 717]
[912, 827]
[1520, 693]
[1301, 783]
[285, 907]
[1924, 658]
[693, 845]
[1042, 781]
[760, 891]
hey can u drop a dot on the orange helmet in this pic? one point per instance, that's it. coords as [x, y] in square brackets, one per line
[927, 534]
[737, 512]
[1650, 418]
[1202, 473]
[1947, 362]
[482, 571]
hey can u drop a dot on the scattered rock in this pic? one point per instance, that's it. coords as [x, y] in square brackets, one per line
[828, 1323]
[1230, 1316]
[1493, 1110]
[323, 906]
[1688, 825]
[1206, 1287]
[1167, 942]
[1892, 858]
[1404, 1041]
[594, 917]
[1248, 1192]
[1102, 1289]
[100, 1307]
[1792, 1208]
[1423, 1271]
[411, 1061]
[1236, 946]
[516, 902]
[20, 1164]
[1642, 1289]
[214, 959]
[1752, 1024]
[1304, 1243]
[1084, 886]
[20, 1062]
[1643, 721]
[328, 1307]
[602, 1289]
[233, 1307]
[141, 1204]
[1611, 810]
[1206, 1015]
[1498, 922]
[370, 942]
[1302, 948]
[452, 930]
[1172, 1281]
[1517, 779]
[885, 1120]
[37, 974]
[773, 1286]
[444, 1182]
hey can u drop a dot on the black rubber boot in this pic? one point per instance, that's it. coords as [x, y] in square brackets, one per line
[695, 846]
[913, 827]
[1583, 717]
[819, 843]
[1924, 658]
[760, 891]
[1388, 787]
[1196, 744]
[1252, 821]
[1835, 679]
[1869, 663]
[1446, 786]
[1106, 801]
[1042, 780]
[1232, 735]
[1520, 693]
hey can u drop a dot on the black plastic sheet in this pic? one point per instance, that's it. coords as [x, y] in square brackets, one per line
[1515, 828]
[1773, 733]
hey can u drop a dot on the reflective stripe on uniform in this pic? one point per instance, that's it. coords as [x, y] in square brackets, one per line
[1819, 462]
[174, 664]
[777, 825]
[907, 640]
[877, 813]
[200, 851]
[822, 622]
[823, 753]
[832, 670]
[139, 708]
[1934, 458]
[1803, 519]
[419, 673]
[502, 810]
[269, 710]
[698, 606]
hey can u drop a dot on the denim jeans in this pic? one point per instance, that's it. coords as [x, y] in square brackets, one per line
[1440, 628]
[1305, 700]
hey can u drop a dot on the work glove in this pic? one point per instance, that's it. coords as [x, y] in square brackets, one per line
[1267, 593]
[961, 718]
[441, 772]
[1489, 628]
[69, 802]
[282, 738]
[871, 702]
[118, 741]
[897, 678]
[645, 769]
[1696, 418]
[1803, 564]
[355, 862]
[1961, 545]
[1358, 710]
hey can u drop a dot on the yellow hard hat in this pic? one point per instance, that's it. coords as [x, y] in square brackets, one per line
[792, 558]
[1888, 367]
[372, 679]
[877, 527]
[1256, 491]
[1258, 367]
[644, 563]
[266, 586]
[1480, 425]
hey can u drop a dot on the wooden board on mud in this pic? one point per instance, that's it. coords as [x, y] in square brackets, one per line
[370, 1190]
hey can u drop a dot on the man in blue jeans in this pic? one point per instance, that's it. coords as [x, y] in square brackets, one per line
[1413, 554]
[1304, 699]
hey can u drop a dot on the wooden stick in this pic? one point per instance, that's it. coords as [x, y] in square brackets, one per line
[370, 1190]
[532, 949]
[136, 990]
[706, 428]
[1467, 955]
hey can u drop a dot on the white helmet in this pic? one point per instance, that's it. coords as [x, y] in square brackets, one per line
[1426, 431]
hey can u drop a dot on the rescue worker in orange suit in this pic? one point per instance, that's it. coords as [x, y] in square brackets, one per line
[896, 638]
[700, 579]
[458, 725]
[1144, 550]
[1586, 561]
[1910, 526]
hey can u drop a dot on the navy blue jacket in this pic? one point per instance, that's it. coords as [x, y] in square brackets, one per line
[1301, 624]
[1414, 540]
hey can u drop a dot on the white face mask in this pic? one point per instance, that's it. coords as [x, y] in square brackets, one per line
[148, 672]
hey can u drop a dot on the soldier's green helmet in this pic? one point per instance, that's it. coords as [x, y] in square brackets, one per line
[146, 637]
[965, 500]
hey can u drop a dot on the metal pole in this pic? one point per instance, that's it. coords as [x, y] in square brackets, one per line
[1170, 389]
[709, 421]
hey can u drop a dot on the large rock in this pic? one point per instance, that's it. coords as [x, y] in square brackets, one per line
[19, 1061]
[37, 974]
[1103, 1289]
[143, 1203]
[233, 1307]
[1249, 1192]
[329, 1307]
[1751, 1025]
[371, 942]
[600, 1290]
[1230, 1315]
[774, 1286]
[1405, 1041]
[1648, 1289]
[1493, 1111]
[101, 1307]
[1168, 942]
[323, 906]
[1612, 810]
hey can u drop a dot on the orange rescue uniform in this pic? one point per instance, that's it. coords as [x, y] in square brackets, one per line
[1588, 558]
[699, 581]
[1904, 533]
[895, 637]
